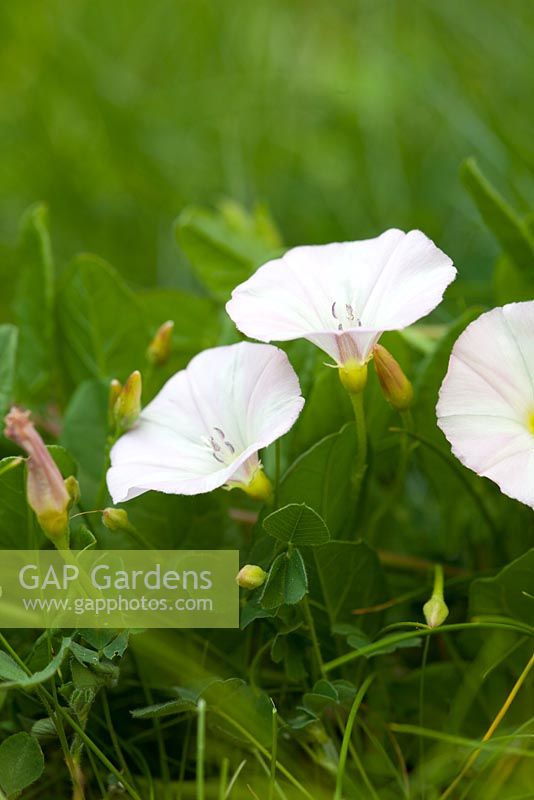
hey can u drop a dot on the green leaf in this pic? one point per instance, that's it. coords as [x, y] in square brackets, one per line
[101, 325]
[287, 582]
[322, 478]
[297, 524]
[223, 248]
[347, 575]
[510, 230]
[118, 646]
[34, 308]
[14, 521]
[509, 594]
[8, 352]
[167, 709]
[84, 434]
[16, 677]
[21, 763]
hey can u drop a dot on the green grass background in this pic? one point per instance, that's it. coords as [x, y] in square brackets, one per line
[344, 117]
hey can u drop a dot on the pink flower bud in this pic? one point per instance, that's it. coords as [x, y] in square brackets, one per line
[395, 385]
[45, 488]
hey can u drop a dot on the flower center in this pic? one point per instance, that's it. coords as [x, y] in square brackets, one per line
[222, 450]
[345, 316]
[530, 422]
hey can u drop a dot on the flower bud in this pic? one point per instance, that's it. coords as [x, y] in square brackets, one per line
[395, 385]
[251, 576]
[159, 349]
[46, 492]
[353, 376]
[128, 404]
[435, 609]
[115, 388]
[73, 488]
[116, 519]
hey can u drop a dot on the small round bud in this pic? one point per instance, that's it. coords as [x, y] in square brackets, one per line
[353, 376]
[116, 519]
[159, 349]
[435, 611]
[251, 576]
[396, 387]
[128, 404]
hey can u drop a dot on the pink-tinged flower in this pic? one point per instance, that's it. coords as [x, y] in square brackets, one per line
[342, 296]
[486, 401]
[206, 426]
[46, 491]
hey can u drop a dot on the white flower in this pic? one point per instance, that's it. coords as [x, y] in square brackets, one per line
[206, 426]
[342, 296]
[486, 401]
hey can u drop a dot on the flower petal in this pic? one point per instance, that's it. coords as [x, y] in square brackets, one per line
[487, 399]
[363, 287]
[241, 398]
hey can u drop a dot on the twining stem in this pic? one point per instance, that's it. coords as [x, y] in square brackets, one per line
[47, 700]
[201, 746]
[360, 694]
[491, 730]
[421, 706]
[305, 605]
[422, 630]
[361, 431]
[274, 749]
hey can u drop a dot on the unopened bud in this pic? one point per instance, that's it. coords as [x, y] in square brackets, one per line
[396, 387]
[115, 388]
[435, 609]
[353, 376]
[159, 349]
[73, 488]
[46, 492]
[128, 404]
[116, 519]
[251, 576]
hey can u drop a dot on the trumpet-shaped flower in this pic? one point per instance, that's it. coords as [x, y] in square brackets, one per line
[486, 401]
[342, 296]
[205, 427]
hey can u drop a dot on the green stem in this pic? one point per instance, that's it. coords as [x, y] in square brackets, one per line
[47, 699]
[360, 694]
[201, 746]
[274, 750]
[223, 780]
[361, 431]
[313, 634]
[421, 708]
[370, 649]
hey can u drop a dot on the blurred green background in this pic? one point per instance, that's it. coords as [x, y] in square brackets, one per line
[343, 117]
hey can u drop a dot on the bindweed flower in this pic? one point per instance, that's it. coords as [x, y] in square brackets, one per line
[46, 492]
[205, 427]
[251, 576]
[396, 387]
[486, 401]
[343, 296]
[159, 349]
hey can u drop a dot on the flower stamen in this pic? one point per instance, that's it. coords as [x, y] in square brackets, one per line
[221, 449]
[347, 319]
